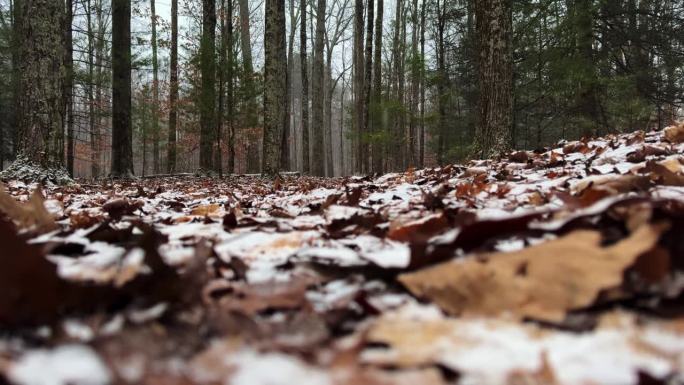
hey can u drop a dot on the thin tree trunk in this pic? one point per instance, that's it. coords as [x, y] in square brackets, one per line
[421, 151]
[275, 68]
[415, 74]
[358, 84]
[155, 92]
[285, 141]
[251, 118]
[441, 83]
[69, 84]
[317, 166]
[494, 33]
[173, 90]
[367, 82]
[376, 101]
[231, 86]
[122, 139]
[208, 91]
[306, 154]
[221, 114]
[94, 169]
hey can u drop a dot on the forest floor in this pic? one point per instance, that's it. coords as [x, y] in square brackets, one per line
[561, 266]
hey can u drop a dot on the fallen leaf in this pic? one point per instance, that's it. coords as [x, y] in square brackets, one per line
[675, 134]
[541, 282]
[28, 215]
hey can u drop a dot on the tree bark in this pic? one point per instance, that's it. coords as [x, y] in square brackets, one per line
[421, 143]
[358, 84]
[173, 90]
[367, 81]
[208, 92]
[495, 76]
[68, 112]
[285, 141]
[250, 109]
[376, 102]
[306, 154]
[318, 165]
[41, 83]
[155, 91]
[122, 138]
[230, 80]
[275, 68]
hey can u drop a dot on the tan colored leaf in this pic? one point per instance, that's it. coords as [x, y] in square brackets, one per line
[31, 214]
[675, 134]
[205, 210]
[541, 282]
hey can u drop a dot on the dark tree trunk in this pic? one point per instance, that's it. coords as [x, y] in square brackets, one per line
[306, 154]
[495, 65]
[358, 84]
[173, 90]
[208, 92]
[230, 81]
[285, 141]
[122, 138]
[318, 165]
[275, 68]
[421, 143]
[367, 81]
[250, 109]
[415, 75]
[376, 102]
[41, 82]
[441, 82]
[69, 84]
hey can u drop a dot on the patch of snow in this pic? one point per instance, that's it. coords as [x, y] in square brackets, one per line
[64, 365]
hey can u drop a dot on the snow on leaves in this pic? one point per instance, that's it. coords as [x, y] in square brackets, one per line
[559, 266]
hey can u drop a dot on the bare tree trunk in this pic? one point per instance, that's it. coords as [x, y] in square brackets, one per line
[96, 118]
[69, 84]
[230, 79]
[155, 91]
[41, 80]
[317, 166]
[421, 151]
[122, 136]
[285, 141]
[251, 118]
[208, 92]
[368, 79]
[306, 155]
[275, 68]
[358, 84]
[441, 82]
[494, 33]
[94, 169]
[376, 102]
[221, 113]
[173, 90]
[415, 75]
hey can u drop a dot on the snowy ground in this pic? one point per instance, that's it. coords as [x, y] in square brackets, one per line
[561, 266]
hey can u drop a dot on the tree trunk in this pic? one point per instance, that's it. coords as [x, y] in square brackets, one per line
[376, 101]
[415, 75]
[306, 154]
[318, 165]
[94, 169]
[122, 138]
[285, 141]
[173, 90]
[495, 103]
[221, 113]
[68, 111]
[251, 118]
[230, 76]
[208, 92]
[358, 84]
[367, 81]
[275, 68]
[441, 83]
[155, 91]
[421, 143]
[40, 138]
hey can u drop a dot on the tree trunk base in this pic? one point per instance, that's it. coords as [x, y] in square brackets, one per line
[27, 171]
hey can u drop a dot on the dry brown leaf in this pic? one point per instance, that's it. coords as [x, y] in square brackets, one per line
[540, 282]
[205, 210]
[675, 134]
[31, 214]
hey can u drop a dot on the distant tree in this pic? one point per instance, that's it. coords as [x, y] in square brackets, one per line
[208, 91]
[155, 91]
[173, 90]
[68, 111]
[318, 165]
[306, 154]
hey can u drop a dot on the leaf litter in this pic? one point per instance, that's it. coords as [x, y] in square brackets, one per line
[559, 266]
